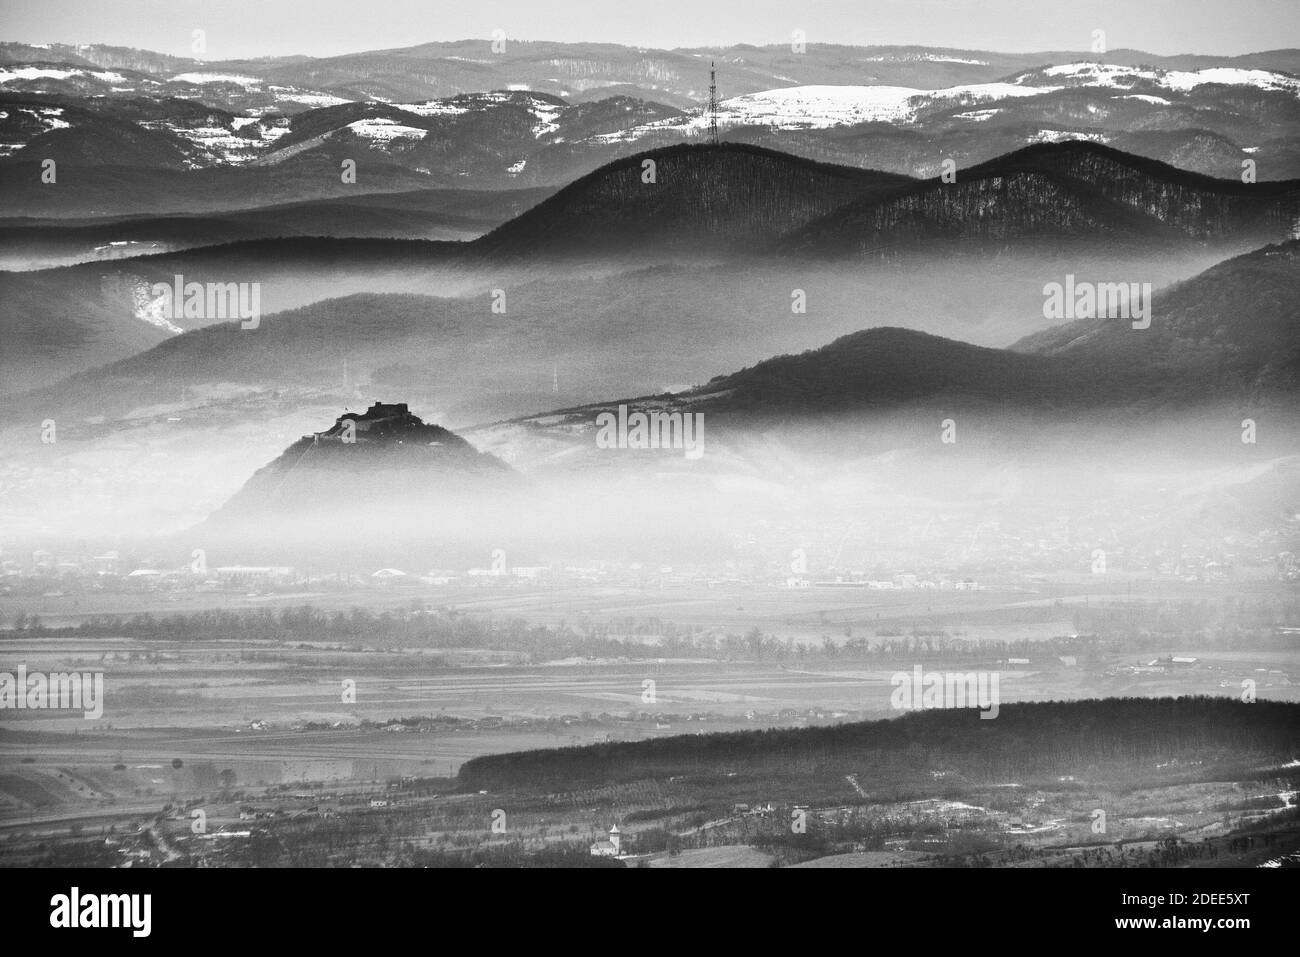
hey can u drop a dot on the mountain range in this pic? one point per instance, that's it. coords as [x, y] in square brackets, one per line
[1068, 206]
[1196, 351]
[878, 399]
[866, 254]
[453, 115]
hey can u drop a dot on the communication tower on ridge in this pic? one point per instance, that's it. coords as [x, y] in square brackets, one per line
[713, 105]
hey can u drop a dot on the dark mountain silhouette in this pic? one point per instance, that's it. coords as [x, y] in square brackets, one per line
[741, 197]
[1196, 150]
[363, 458]
[1232, 331]
[732, 202]
[71, 134]
[1198, 205]
[1234, 327]
[884, 367]
[1072, 192]
[1020, 206]
[1230, 334]
[728, 197]
[437, 214]
[87, 190]
[382, 482]
[483, 366]
[59, 322]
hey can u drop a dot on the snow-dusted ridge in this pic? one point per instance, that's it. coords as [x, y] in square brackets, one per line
[1086, 73]
[202, 78]
[384, 131]
[29, 73]
[822, 107]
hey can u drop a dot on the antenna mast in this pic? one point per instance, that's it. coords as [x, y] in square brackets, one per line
[713, 105]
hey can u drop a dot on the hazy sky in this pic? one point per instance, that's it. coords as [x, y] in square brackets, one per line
[242, 28]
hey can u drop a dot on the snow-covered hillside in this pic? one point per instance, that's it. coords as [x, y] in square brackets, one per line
[1109, 75]
[249, 113]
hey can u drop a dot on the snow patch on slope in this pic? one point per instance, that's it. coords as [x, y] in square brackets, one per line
[1057, 136]
[822, 107]
[1181, 81]
[384, 131]
[433, 108]
[288, 94]
[202, 78]
[28, 73]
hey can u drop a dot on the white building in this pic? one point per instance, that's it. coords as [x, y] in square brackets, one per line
[610, 848]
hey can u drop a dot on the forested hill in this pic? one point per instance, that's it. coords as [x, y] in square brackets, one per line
[689, 196]
[890, 365]
[1198, 205]
[1071, 191]
[1234, 328]
[1025, 739]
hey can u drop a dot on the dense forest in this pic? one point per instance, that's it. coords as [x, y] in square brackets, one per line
[735, 196]
[1026, 738]
[1057, 191]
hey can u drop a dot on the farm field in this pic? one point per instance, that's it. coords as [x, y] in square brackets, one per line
[390, 706]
